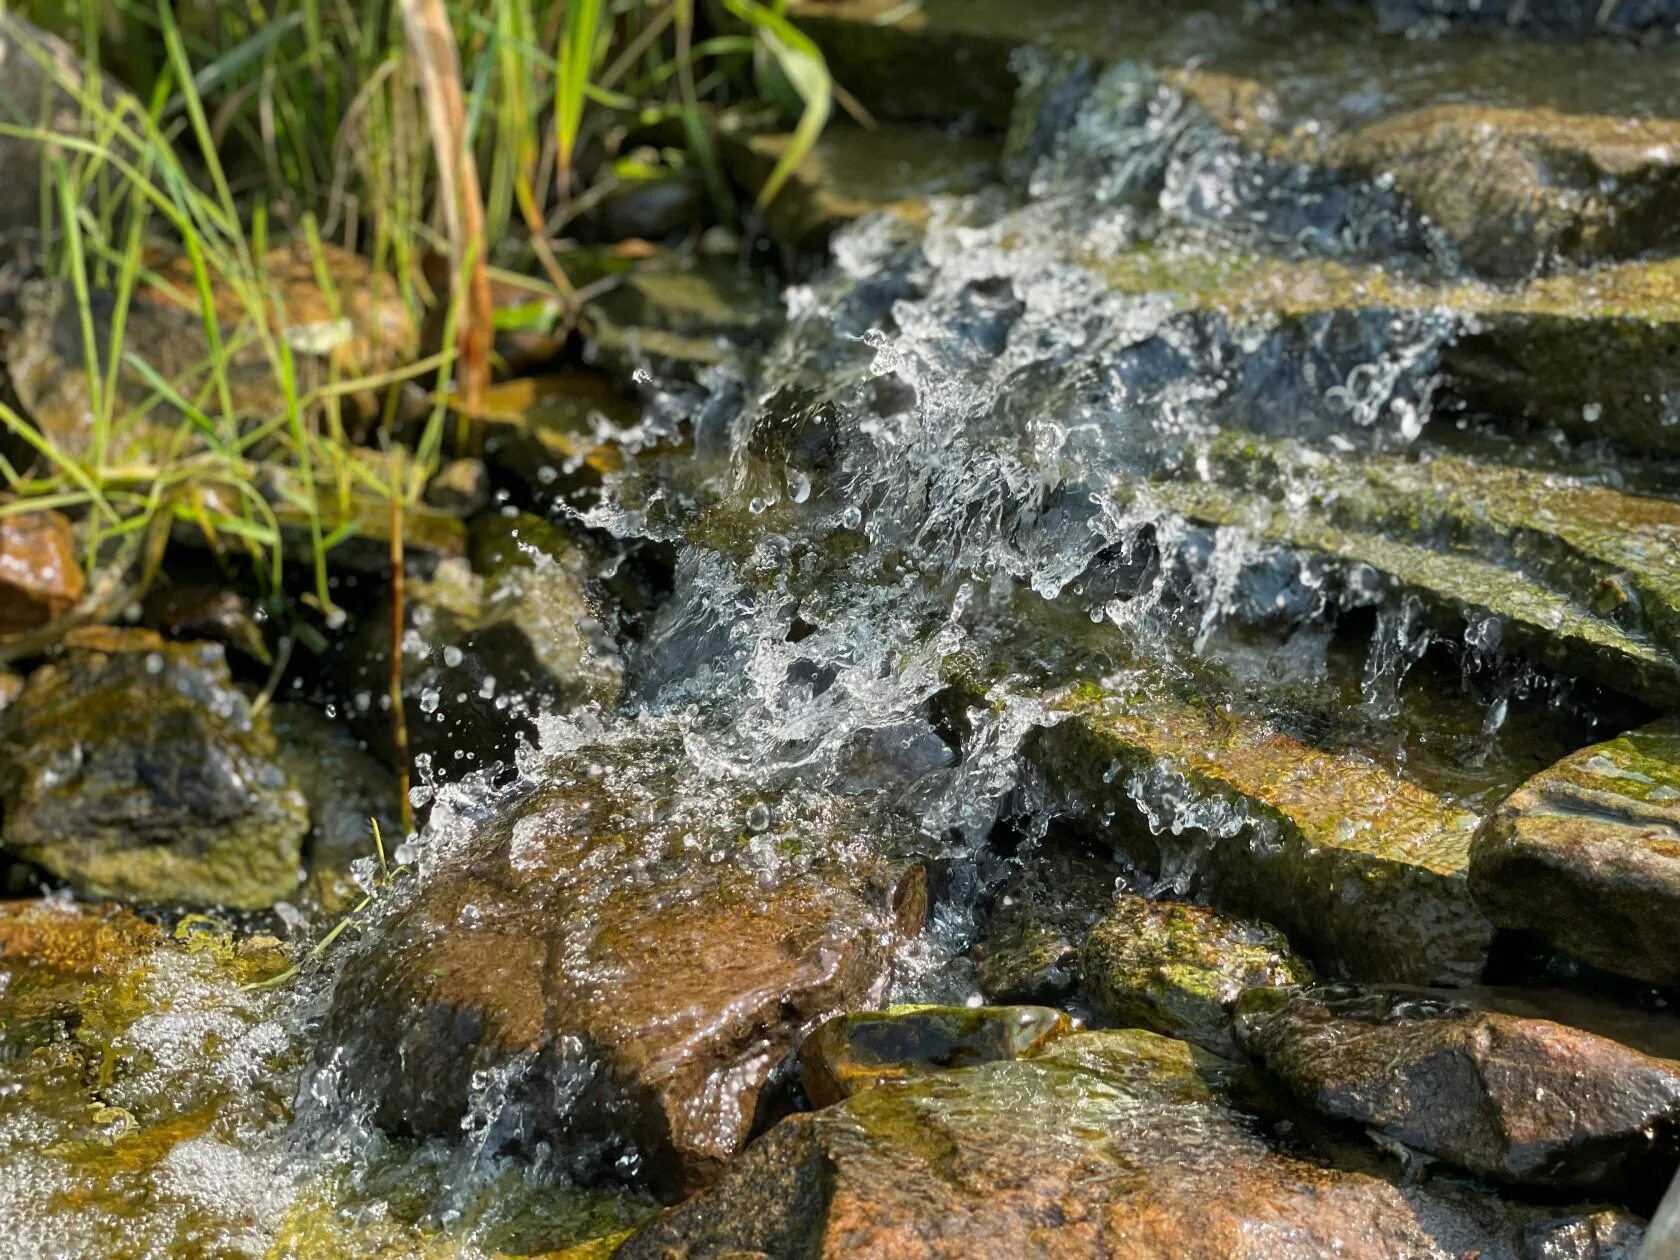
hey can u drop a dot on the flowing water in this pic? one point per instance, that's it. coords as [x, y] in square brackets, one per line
[929, 502]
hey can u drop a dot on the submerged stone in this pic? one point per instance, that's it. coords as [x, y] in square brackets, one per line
[1364, 871]
[1507, 1098]
[1030, 951]
[854, 1052]
[1178, 969]
[1107, 1144]
[134, 768]
[1587, 855]
[40, 577]
[624, 960]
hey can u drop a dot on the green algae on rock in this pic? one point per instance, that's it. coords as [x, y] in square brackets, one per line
[634, 950]
[1030, 952]
[1178, 969]
[1587, 855]
[134, 768]
[854, 1052]
[1364, 871]
[1106, 1144]
[1505, 1097]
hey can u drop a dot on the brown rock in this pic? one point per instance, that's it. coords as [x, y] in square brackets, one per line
[1508, 1098]
[1587, 854]
[1114, 1145]
[362, 327]
[40, 577]
[633, 951]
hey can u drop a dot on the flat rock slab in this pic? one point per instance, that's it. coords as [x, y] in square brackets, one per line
[853, 1052]
[1609, 553]
[1178, 969]
[1534, 619]
[1587, 854]
[1518, 152]
[1508, 1098]
[1364, 871]
[134, 768]
[630, 955]
[1113, 1144]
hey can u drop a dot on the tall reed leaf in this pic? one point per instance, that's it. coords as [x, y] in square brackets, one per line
[801, 62]
[578, 50]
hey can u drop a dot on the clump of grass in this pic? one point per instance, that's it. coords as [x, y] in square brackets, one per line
[299, 118]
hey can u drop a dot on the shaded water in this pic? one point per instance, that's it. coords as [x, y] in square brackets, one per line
[941, 472]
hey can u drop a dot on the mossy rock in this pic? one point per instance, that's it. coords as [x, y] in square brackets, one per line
[853, 1052]
[1039, 918]
[134, 768]
[1587, 855]
[1178, 969]
[1364, 871]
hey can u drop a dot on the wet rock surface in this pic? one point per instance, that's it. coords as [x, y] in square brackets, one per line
[1365, 872]
[134, 768]
[1508, 1098]
[1178, 969]
[629, 962]
[40, 576]
[1587, 854]
[851, 1053]
[1107, 1144]
[1039, 918]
